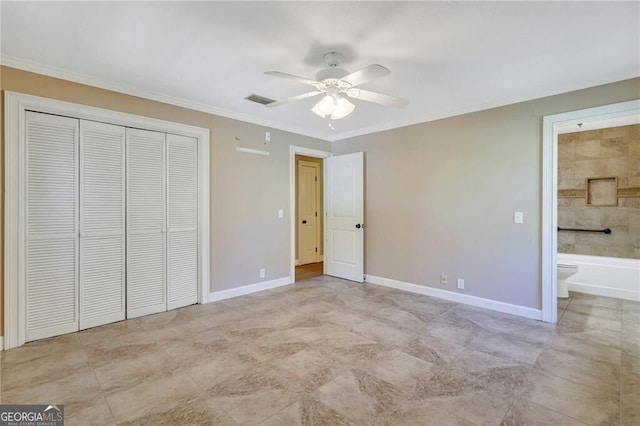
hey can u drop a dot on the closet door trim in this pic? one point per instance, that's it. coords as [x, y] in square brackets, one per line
[16, 106]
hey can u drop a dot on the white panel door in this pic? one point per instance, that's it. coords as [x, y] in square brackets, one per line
[182, 220]
[307, 212]
[146, 222]
[51, 201]
[344, 250]
[102, 224]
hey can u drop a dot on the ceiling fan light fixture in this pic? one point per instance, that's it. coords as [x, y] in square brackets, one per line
[333, 106]
[325, 106]
[342, 109]
[338, 85]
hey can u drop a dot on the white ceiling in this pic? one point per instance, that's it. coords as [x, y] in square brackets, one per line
[446, 58]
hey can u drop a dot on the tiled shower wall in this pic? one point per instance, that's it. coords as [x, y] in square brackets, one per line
[595, 154]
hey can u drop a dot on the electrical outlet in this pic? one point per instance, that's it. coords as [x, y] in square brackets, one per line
[263, 273]
[443, 279]
[267, 137]
[460, 284]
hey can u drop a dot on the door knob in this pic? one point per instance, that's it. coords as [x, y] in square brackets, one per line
[304, 221]
[358, 226]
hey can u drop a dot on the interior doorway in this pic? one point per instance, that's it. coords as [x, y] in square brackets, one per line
[621, 113]
[309, 248]
[309, 217]
[307, 205]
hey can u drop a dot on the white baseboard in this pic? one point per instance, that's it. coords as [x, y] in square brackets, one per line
[297, 262]
[466, 299]
[248, 289]
[1, 343]
[597, 290]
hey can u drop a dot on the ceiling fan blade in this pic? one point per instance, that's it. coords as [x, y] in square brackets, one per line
[377, 98]
[291, 77]
[295, 98]
[366, 74]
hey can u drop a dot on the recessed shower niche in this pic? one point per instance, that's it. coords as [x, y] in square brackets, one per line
[602, 191]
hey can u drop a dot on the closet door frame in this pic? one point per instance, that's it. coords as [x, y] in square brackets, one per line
[16, 106]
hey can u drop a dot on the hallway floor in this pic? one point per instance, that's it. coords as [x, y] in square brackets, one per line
[329, 351]
[311, 270]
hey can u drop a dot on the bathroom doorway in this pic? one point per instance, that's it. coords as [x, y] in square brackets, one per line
[605, 116]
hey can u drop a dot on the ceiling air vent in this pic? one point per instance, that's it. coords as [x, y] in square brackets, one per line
[259, 99]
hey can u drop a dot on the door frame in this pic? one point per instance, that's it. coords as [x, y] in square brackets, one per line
[16, 104]
[309, 152]
[551, 126]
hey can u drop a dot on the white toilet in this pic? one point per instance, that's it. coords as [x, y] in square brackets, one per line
[565, 270]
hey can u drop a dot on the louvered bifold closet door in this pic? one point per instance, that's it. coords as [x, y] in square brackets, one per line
[182, 216]
[51, 202]
[146, 223]
[102, 224]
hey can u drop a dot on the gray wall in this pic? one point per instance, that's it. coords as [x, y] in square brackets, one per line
[246, 189]
[440, 196]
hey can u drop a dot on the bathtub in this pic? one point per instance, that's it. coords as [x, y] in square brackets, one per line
[604, 276]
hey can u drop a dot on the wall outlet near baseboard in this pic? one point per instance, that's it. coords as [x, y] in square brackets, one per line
[460, 284]
[443, 279]
[263, 273]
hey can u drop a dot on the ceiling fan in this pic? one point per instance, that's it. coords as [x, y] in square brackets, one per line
[337, 84]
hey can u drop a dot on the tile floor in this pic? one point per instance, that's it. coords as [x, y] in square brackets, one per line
[327, 351]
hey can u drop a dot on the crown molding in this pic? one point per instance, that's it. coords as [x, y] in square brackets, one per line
[410, 121]
[64, 74]
[30, 66]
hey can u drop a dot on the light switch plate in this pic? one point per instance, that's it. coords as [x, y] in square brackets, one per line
[518, 217]
[280, 214]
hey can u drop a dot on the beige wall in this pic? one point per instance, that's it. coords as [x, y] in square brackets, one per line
[440, 196]
[246, 189]
[612, 152]
[320, 163]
